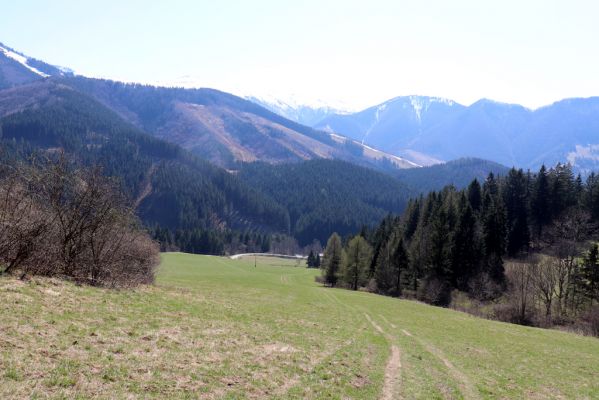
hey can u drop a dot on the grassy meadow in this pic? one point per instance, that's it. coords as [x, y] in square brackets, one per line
[217, 328]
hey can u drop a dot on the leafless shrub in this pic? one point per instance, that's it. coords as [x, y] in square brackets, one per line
[59, 221]
[483, 288]
[591, 318]
[435, 291]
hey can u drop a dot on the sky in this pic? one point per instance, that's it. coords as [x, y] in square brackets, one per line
[349, 54]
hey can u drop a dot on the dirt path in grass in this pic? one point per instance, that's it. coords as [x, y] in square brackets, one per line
[393, 368]
[466, 387]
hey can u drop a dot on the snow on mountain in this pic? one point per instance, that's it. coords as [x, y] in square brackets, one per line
[22, 60]
[303, 111]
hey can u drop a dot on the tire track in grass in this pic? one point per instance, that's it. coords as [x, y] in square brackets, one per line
[466, 387]
[316, 361]
[296, 379]
[391, 324]
[393, 367]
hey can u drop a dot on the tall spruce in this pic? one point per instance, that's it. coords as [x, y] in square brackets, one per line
[540, 207]
[466, 247]
[332, 260]
[475, 195]
[590, 274]
[515, 197]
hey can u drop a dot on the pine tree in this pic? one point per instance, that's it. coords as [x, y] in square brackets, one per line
[317, 261]
[466, 248]
[400, 262]
[332, 260]
[515, 195]
[475, 195]
[311, 260]
[590, 274]
[540, 207]
[383, 274]
[494, 233]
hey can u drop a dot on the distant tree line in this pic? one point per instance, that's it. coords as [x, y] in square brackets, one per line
[524, 243]
[58, 220]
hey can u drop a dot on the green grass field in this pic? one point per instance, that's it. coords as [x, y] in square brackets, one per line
[218, 328]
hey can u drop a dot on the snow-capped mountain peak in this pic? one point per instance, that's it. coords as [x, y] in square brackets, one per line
[306, 112]
[21, 59]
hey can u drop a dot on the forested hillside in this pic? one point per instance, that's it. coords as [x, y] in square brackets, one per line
[323, 196]
[524, 244]
[223, 128]
[457, 172]
[172, 189]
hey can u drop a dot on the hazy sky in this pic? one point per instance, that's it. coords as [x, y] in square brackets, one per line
[355, 52]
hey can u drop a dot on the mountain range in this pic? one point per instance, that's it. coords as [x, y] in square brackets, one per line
[201, 165]
[429, 130]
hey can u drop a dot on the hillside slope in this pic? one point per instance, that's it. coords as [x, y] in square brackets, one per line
[17, 69]
[219, 328]
[223, 128]
[217, 126]
[171, 187]
[326, 196]
[458, 173]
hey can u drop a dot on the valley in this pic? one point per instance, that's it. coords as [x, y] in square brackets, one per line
[213, 327]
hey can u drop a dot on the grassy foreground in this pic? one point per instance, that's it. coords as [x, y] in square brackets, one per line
[219, 328]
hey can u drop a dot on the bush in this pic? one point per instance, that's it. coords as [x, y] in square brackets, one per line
[510, 312]
[591, 318]
[435, 291]
[59, 221]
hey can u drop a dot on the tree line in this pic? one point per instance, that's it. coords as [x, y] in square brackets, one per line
[523, 243]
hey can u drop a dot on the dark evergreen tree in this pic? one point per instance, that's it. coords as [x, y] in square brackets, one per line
[466, 247]
[515, 198]
[311, 261]
[475, 195]
[399, 264]
[590, 274]
[332, 260]
[540, 206]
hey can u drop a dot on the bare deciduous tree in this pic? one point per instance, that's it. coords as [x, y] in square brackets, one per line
[60, 221]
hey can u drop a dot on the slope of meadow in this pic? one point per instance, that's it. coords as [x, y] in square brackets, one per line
[219, 328]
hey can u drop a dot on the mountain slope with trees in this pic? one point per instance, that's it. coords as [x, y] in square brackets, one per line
[458, 173]
[217, 126]
[171, 188]
[323, 196]
[524, 244]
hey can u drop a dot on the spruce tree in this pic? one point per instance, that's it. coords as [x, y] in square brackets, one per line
[400, 262]
[494, 233]
[466, 248]
[515, 196]
[590, 274]
[540, 207]
[311, 260]
[475, 195]
[332, 260]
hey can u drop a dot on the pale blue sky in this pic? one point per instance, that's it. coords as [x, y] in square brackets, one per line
[356, 52]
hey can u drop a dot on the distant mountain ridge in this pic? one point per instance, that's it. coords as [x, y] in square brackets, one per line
[431, 130]
[305, 114]
[217, 126]
[567, 130]
[17, 69]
